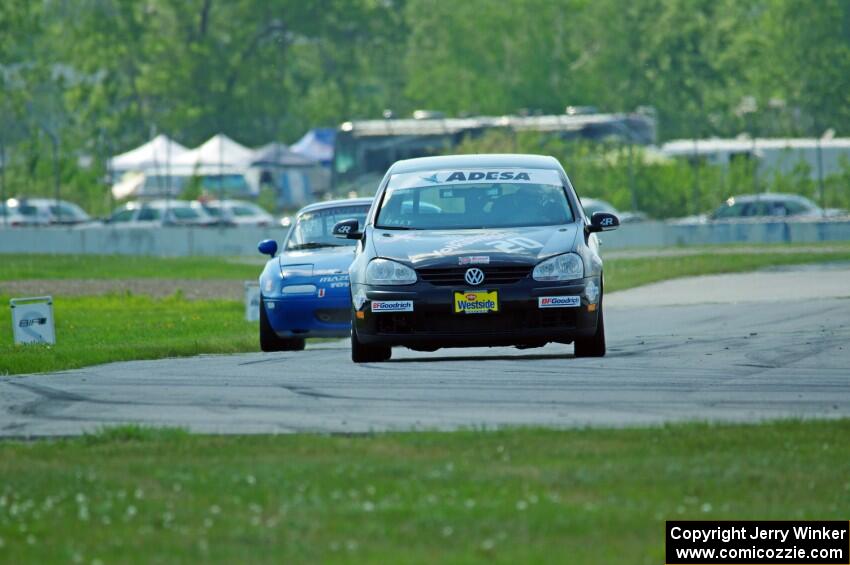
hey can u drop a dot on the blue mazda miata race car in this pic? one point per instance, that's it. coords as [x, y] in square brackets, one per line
[304, 290]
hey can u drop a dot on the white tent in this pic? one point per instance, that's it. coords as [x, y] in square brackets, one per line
[219, 154]
[156, 154]
[129, 185]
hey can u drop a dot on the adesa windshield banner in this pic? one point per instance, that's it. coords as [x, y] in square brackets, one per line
[475, 176]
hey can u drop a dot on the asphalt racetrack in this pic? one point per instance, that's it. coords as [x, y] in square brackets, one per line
[745, 347]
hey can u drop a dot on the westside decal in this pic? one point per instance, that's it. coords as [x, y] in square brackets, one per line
[392, 306]
[476, 302]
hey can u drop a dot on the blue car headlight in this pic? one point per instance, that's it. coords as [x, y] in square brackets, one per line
[293, 271]
[267, 285]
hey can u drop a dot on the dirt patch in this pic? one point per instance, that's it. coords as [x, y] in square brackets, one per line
[158, 288]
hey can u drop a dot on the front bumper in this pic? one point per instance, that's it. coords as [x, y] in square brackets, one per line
[309, 316]
[519, 321]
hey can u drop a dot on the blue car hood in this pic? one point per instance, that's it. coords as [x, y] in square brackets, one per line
[327, 261]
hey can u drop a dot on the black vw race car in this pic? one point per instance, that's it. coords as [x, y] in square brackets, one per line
[478, 250]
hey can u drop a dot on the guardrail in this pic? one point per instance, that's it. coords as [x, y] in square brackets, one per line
[184, 241]
[164, 241]
[662, 234]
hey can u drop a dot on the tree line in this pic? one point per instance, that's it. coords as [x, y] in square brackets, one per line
[90, 78]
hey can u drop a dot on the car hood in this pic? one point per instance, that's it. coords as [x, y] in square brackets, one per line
[327, 261]
[524, 245]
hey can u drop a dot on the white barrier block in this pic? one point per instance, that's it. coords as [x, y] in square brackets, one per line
[252, 301]
[32, 320]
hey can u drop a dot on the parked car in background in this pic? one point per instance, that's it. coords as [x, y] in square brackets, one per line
[593, 205]
[15, 214]
[43, 211]
[236, 212]
[160, 213]
[769, 205]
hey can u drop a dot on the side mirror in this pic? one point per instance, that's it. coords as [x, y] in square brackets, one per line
[268, 247]
[347, 229]
[603, 221]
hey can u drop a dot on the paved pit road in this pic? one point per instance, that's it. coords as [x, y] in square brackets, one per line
[740, 360]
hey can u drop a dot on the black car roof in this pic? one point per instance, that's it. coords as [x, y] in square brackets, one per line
[473, 161]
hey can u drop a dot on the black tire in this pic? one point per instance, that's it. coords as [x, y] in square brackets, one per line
[270, 341]
[593, 346]
[362, 353]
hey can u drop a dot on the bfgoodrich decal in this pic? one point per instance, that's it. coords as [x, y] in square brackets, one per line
[392, 306]
[559, 301]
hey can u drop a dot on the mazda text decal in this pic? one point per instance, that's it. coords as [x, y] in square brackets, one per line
[335, 281]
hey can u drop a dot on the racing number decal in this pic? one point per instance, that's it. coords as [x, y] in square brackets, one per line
[515, 244]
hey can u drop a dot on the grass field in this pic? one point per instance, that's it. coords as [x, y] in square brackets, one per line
[582, 496]
[13, 267]
[621, 273]
[93, 330]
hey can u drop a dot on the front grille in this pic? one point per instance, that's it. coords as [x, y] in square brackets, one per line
[333, 315]
[478, 324]
[453, 276]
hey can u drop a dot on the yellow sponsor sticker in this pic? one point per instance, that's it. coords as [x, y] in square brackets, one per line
[476, 302]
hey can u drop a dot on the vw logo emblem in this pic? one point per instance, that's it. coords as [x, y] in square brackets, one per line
[474, 276]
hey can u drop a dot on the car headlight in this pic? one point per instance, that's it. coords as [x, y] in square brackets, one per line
[384, 271]
[296, 271]
[564, 267]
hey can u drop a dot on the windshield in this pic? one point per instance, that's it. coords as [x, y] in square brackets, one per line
[475, 205]
[185, 213]
[24, 210]
[313, 230]
[245, 211]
